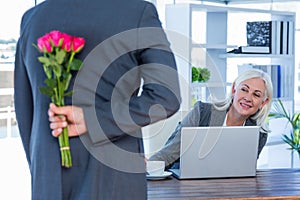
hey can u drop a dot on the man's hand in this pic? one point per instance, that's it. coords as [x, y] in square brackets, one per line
[64, 116]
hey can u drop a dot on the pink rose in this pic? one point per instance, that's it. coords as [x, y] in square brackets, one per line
[56, 38]
[44, 44]
[78, 44]
[67, 42]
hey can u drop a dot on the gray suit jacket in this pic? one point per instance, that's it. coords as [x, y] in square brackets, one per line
[105, 174]
[203, 114]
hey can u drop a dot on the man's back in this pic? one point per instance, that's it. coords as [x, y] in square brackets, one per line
[90, 177]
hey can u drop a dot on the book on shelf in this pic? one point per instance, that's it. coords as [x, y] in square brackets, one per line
[278, 76]
[259, 33]
[278, 35]
[273, 45]
[251, 50]
[268, 37]
[255, 49]
[283, 37]
[291, 29]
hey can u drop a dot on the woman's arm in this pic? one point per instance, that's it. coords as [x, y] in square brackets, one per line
[170, 153]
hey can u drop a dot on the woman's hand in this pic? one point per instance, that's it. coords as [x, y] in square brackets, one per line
[66, 116]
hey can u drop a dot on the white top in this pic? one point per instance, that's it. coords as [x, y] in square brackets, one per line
[224, 124]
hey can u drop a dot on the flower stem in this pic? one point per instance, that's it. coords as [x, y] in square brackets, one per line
[66, 160]
[63, 138]
[70, 61]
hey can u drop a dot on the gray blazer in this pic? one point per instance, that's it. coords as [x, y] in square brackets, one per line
[203, 114]
[95, 20]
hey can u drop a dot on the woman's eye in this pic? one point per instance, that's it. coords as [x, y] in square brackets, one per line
[244, 89]
[257, 95]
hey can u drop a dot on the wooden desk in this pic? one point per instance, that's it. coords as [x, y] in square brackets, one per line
[268, 184]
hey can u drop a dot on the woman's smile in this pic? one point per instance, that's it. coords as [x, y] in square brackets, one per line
[245, 106]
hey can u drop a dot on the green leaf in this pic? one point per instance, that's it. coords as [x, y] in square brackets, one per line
[276, 115]
[46, 91]
[51, 83]
[288, 140]
[44, 60]
[279, 111]
[47, 71]
[284, 110]
[68, 94]
[76, 64]
[292, 141]
[200, 74]
[57, 69]
[66, 81]
[195, 74]
[204, 75]
[60, 56]
[37, 48]
[296, 119]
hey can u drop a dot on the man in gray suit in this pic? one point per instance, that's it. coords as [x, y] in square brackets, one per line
[128, 80]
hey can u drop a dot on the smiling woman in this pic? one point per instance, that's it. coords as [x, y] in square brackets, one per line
[247, 104]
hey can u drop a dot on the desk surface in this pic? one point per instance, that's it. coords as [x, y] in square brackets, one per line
[268, 184]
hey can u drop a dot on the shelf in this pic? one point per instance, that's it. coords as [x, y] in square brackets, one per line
[243, 55]
[214, 46]
[208, 84]
[214, 30]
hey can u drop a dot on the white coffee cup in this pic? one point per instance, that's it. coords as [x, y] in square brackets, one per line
[155, 168]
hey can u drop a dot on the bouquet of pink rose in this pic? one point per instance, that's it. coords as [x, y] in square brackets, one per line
[58, 60]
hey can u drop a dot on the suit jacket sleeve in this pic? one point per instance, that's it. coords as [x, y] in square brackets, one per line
[23, 99]
[160, 96]
[171, 151]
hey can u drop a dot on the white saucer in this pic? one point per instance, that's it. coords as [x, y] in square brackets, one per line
[159, 177]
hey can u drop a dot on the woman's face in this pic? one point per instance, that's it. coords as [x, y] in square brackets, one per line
[249, 96]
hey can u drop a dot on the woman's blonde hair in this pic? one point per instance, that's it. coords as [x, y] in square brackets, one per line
[261, 115]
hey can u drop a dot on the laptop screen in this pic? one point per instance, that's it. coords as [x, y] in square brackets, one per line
[216, 152]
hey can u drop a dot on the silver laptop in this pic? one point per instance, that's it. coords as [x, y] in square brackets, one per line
[218, 152]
